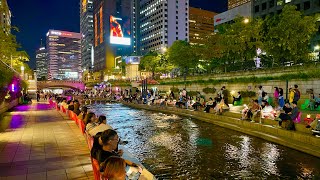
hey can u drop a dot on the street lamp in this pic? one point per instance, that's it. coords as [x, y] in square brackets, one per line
[317, 47]
[164, 49]
[246, 20]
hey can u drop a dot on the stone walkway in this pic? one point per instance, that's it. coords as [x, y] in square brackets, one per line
[41, 143]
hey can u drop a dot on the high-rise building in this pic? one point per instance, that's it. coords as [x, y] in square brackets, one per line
[262, 8]
[235, 3]
[201, 24]
[86, 29]
[5, 16]
[161, 22]
[112, 33]
[42, 63]
[244, 10]
[64, 55]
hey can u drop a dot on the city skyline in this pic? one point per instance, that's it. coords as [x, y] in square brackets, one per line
[34, 26]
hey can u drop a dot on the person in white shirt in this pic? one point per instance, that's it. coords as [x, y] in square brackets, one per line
[91, 121]
[267, 111]
[101, 127]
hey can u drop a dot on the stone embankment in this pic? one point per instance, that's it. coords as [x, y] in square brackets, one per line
[301, 139]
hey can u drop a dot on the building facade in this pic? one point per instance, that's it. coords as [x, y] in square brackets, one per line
[228, 16]
[5, 16]
[262, 8]
[86, 29]
[64, 55]
[42, 63]
[112, 33]
[201, 24]
[161, 22]
[235, 3]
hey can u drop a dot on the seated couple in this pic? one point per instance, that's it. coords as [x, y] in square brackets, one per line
[251, 111]
[218, 107]
[288, 115]
[95, 125]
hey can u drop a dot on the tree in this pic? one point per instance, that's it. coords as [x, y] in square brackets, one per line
[288, 35]
[183, 55]
[150, 62]
[239, 41]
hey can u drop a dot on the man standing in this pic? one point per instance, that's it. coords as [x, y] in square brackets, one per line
[297, 93]
[225, 95]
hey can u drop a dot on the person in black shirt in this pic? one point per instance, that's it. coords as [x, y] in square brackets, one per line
[287, 108]
[109, 140]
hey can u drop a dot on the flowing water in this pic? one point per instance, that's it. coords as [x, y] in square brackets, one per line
[175, 147]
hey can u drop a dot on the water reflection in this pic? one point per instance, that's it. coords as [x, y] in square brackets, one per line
[173, 147]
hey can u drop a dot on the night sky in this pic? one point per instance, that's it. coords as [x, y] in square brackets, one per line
[35, 17]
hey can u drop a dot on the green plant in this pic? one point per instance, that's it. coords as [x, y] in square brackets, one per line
[248, 94]
[174, 89]
[208, 90]
[192, 93]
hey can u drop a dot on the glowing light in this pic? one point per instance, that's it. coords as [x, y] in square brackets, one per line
[246, 20]
[232, 92]
[12, 87]
[317, 47]
[308, 116]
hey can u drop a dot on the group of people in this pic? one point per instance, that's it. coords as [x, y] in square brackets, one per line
[282, 111]
[105, 145]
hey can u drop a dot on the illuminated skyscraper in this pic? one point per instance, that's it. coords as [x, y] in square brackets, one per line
[112, 33]
[201, 23]
[5, 16]
[64, 56]
[161, 22]
[42, 63]
[235, 3]
[86, 29]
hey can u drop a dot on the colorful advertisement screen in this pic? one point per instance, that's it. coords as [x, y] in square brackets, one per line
[120, 31]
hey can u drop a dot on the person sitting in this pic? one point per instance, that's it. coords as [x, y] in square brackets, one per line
[312, 101]
[76, 109]
[255, 111]
[210, 104]
[91, 121]
[82, 115]
[114, 168]
[109, 140]
[70, 105]
[315, 126]
[247, 110]
[289, 117]
[197, 104]
[102, 121]
[317, 101]
[221, 106]
[64, 103]
[267, 111]
[237, 98]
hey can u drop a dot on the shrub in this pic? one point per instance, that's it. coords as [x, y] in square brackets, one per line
[192, 93]
[248, 94]
[208, 90]
[174, 89]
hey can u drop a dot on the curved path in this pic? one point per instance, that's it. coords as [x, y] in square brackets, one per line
[41, 143]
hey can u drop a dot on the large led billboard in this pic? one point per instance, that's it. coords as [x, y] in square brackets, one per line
[120, 31]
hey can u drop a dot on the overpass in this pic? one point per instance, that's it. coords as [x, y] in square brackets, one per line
[60, 83]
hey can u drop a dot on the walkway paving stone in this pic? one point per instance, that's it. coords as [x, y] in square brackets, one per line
[42, 143]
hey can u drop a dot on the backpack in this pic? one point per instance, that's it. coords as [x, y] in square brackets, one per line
[296, 95]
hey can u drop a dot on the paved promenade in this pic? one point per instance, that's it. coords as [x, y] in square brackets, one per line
[41, 143]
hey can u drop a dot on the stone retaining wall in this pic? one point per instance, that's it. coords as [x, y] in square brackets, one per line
[6, 106]
[268, 87]
[300, 140]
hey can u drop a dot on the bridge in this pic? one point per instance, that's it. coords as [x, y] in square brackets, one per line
[60, 83]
